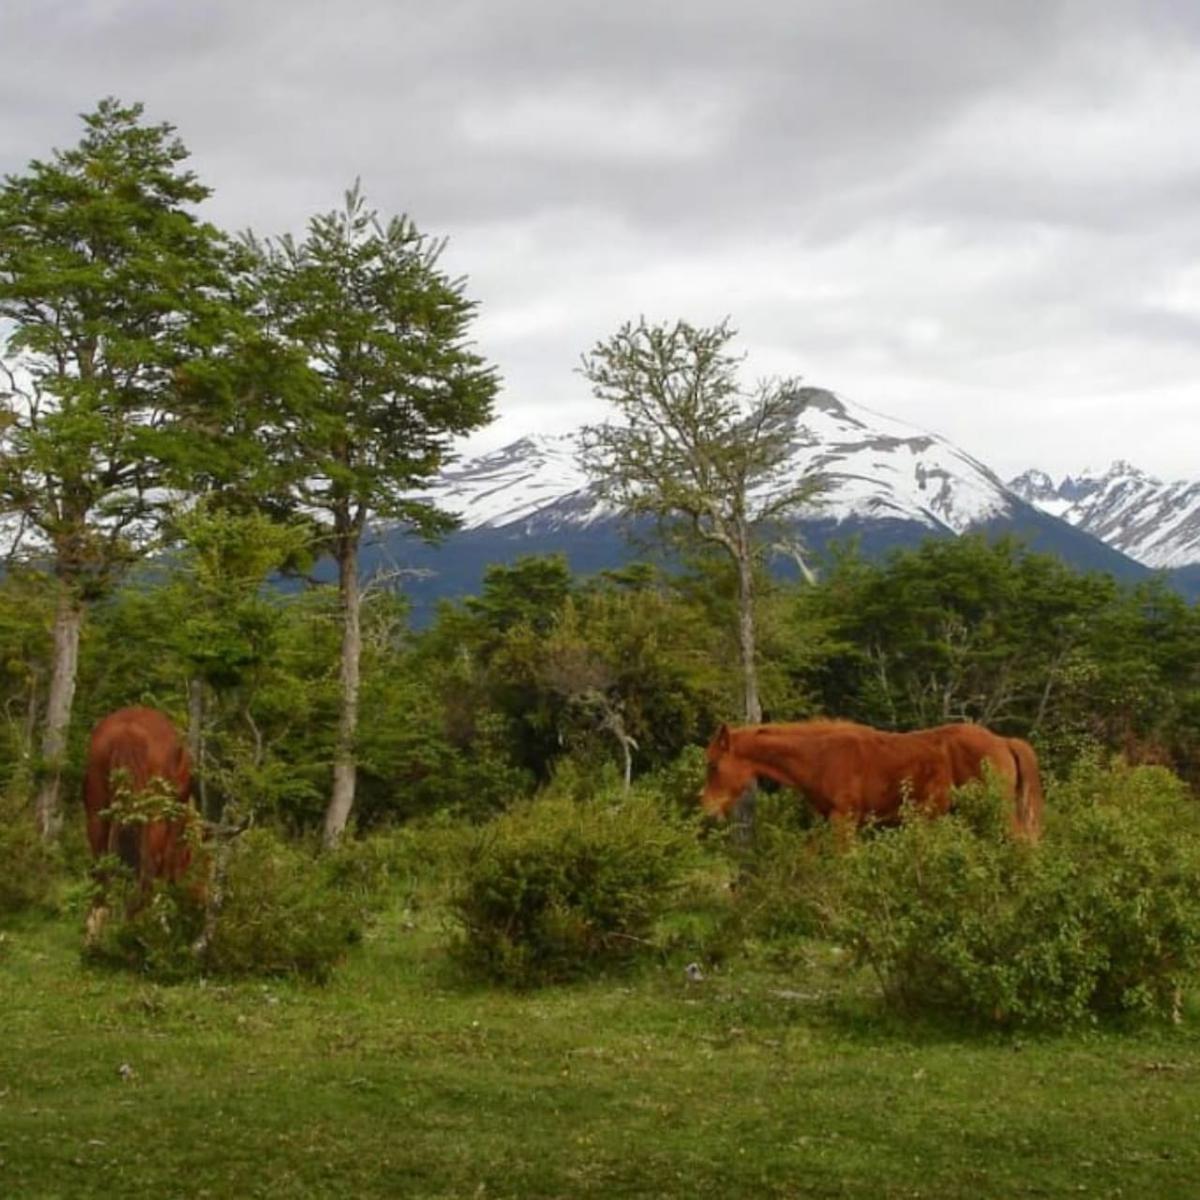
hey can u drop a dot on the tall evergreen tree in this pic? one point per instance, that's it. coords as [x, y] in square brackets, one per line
[392, 381]
[110, 286]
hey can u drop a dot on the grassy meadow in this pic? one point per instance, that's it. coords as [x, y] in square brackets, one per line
[773, 1075]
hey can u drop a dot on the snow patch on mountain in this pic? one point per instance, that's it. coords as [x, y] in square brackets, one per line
[1153, 522]
[517, 482]
[877, 466]
[874, 466]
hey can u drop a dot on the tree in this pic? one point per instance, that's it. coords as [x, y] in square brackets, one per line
[630, 666]
[227, 623]
[989, 631]
[109, 288]
[391, 382]
[696, 453]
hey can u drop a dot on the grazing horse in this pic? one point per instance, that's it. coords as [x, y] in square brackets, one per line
[854, 773]
[129, 751]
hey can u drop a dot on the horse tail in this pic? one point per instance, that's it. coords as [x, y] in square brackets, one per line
[127, 755]
[1028, 796]
[125, 841]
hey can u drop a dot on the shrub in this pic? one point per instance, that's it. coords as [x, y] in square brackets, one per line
[154, 937]
[789, 875]
[423, 857]
[285, 911]
[679, 782]
[1102, 918]
[274, 908]
[557, 888]
[29, 868]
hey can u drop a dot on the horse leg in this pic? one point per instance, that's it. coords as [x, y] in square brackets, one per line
[97, 918]
[845, 829]
[100, 836]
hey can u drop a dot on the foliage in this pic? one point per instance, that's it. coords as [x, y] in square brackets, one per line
[560, 667]
[286, 912]
[622, 670]
[111, 291]
[678, 781]
[789, 876]
[692, 445]
[988, 631]
[692, 450]
[556, 888]
[227, 623]
[110, 288]
[528, 592]
[274, 909]
[1103, 918]
[26, 614]
[391, 381]
[427, 741]
[30, 869]
[264, 659]
[152, 934]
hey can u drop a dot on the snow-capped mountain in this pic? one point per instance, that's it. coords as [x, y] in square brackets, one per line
[888, 485]
[1155, 523]
[875, 468]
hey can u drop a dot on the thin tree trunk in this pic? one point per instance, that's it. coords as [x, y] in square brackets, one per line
[68, 620]
[615, 723]
[345, 760]
[196, 742]
[752, 705]
[28, 733]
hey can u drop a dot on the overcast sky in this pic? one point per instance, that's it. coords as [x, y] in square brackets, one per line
[979, 216]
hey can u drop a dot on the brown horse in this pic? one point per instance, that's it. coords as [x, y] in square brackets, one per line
[129, 751]
[855, 773]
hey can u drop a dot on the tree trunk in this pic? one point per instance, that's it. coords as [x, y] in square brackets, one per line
[68, 620]
[344, 760]
[28, 734]
[196, 742]
[615, 723]
[743, 815]
[751, 704]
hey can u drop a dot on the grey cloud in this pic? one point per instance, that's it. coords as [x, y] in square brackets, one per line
[920, 200]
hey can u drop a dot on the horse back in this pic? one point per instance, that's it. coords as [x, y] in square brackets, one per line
[855, 770]
[969, 747]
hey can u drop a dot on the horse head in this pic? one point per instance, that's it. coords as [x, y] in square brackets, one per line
[727, 776]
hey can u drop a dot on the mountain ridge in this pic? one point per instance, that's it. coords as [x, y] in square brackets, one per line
[875, 466]
[890, 485]
[1155, 523]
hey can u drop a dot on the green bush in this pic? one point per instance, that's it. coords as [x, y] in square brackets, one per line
[29, 868]
[1103, 918]
[274, 908]
[788, 876]
[422, 858]
[286, 911]
[679, 782]
[557, 888]
[155, 935]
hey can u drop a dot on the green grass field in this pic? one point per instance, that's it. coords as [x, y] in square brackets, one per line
[401, 1079]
